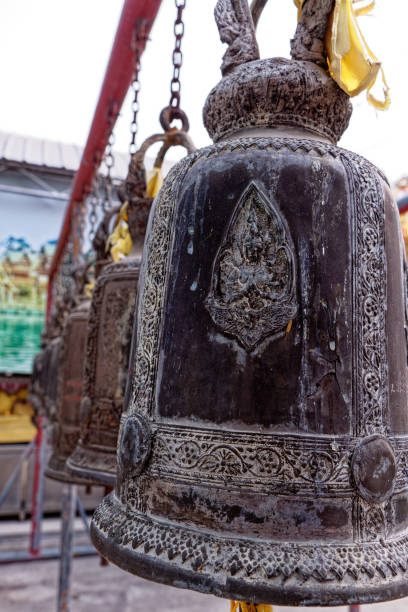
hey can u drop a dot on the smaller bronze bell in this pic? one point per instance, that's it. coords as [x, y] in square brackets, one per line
[66, 426]
[51, 387]
[43, 384]
[38, 380]
[110, 331]
[65, 417]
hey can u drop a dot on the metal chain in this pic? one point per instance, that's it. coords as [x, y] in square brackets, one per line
[175, 85]
[109, 163]
[139, 36]
[93, 206]
[78, 229]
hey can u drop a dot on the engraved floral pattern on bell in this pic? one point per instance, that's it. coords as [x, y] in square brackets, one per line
[253, 281]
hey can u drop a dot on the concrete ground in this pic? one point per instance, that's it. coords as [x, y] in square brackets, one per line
[32, 586]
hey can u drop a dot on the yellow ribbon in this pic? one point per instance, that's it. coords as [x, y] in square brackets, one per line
[89, 287]
[351, 62]
[154, 182]
[242, 606]
[119, 242]
[298, 4]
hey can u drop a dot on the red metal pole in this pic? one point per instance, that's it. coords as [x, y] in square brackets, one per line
[38, 489]
[115, 85]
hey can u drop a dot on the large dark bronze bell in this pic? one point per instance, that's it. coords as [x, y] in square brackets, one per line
[263, 450]
[110, 331]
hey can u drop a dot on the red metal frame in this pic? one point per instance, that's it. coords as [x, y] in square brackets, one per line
[115, 85]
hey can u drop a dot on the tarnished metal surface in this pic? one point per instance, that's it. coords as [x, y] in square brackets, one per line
[263, 450]
[106, 365]
[110, 329]
[261, 443]
[38, 381]
[66, 426]
[44, 377]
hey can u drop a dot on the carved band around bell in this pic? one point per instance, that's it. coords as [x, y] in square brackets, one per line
[275, 463]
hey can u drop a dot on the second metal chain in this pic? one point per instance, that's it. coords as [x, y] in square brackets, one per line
[139, 38]
[109, 162]
[175, 85]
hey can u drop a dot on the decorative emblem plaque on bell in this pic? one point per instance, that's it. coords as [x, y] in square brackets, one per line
[263, 449]
[110, 330]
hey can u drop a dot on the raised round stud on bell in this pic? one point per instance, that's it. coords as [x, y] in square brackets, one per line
[263, 450]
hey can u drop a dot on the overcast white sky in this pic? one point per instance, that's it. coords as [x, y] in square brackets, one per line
[54, 54]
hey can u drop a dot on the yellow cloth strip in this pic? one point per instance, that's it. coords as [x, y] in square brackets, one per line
[351, 62]
[154, 182]
[242, 606]
[119, 242]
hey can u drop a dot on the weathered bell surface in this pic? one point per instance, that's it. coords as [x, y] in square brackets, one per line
[110, 330]
[38, 380]
[107, 357]
[53, 349]
[43, 382]
[65, 432]
[66, 362]
[263, 451]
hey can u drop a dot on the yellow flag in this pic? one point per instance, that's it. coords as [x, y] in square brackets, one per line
[351, 62]
[154, 182]
[119, 242]
[242, 606]
[298, 4]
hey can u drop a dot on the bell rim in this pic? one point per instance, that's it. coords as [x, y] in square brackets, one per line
[169, 571]
[90, 472]
[60, 473]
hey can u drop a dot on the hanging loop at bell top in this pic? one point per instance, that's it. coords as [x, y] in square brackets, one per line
[135, 184]
[138, 190]
[170, 114]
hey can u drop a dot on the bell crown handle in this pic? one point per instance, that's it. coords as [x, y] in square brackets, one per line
[257, 6]
[174, 138]
[236, 28]
[308, 44]
[237, 23]
[134, 185]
